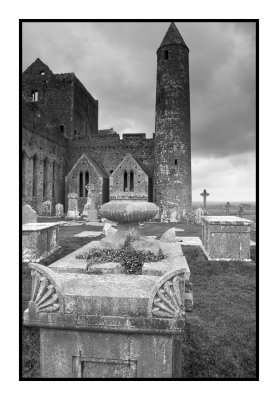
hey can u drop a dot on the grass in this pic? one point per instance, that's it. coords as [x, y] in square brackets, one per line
[219, 339]
[220, 334]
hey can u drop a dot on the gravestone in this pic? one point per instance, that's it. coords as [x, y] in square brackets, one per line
[29, 215]
[227, 207]
[240, 210]
[72, 206]
[198, 215]
[47, 207]
[59, 210]
[93, 214]
[205, 194]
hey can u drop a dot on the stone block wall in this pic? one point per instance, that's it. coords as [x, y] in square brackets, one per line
[43, 163]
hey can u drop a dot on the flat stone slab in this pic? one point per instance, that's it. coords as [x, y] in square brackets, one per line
[179, 230]
[151, 237]
[189, 240]
[38, 226]
[72, 223]
[88, 234]
[227, 220]
[95, 223]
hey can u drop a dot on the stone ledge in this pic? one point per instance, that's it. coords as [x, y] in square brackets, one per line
[38, 226]
[226, 220]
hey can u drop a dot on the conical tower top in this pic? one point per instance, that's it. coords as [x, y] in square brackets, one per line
[172, 37]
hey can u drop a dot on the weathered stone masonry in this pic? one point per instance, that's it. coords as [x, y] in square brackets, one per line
[60, 124]
[172, 183]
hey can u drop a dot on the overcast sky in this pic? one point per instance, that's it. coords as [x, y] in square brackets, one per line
[116, 62]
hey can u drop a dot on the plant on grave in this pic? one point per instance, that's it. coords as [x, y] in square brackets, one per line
[132, 260]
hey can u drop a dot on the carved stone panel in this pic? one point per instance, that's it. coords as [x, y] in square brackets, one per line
[43, 296]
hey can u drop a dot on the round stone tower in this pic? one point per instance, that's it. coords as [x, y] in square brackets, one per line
[172, 175]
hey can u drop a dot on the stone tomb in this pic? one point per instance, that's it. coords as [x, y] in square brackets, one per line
[39, 240]
[107, 324]
[226, 238]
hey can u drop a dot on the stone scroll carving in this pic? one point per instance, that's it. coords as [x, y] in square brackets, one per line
[43, 296]
[168, 301]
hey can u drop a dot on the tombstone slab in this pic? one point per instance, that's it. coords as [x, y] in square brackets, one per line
[47, 208]
[72, 206]
[59, 210]
[28, 215]
[226, 238]
[39, 240]
[198, 215]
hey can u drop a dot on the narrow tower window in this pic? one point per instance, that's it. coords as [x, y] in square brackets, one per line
[35, 166]
[62, 128]
[45, 180]
[36, 95]
[125, 181]
[131, 181]
[53, 178]
[81, 184]
[176, 162]
[166, 54]
[33, 95]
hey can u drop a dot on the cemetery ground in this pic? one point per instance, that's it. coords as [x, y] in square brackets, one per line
[220, 334]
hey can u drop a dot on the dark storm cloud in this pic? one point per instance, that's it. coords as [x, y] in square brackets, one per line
[117, 64]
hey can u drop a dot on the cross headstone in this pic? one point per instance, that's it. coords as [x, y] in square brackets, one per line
[205, 194]
[227, 207]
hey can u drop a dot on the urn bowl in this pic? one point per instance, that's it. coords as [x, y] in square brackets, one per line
[128, 211]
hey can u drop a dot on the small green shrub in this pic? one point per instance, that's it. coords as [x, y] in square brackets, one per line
[131, 259]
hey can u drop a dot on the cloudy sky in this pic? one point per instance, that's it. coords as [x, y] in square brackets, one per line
[116, 62]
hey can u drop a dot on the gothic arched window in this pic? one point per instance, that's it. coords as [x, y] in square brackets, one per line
[81, 184]
[86, 183]
[131, 181]
[125, 181]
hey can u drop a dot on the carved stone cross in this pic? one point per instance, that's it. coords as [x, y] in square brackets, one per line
[205, 194]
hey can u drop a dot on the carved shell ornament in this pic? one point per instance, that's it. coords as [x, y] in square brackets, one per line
[43, 297]
[169, 299]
